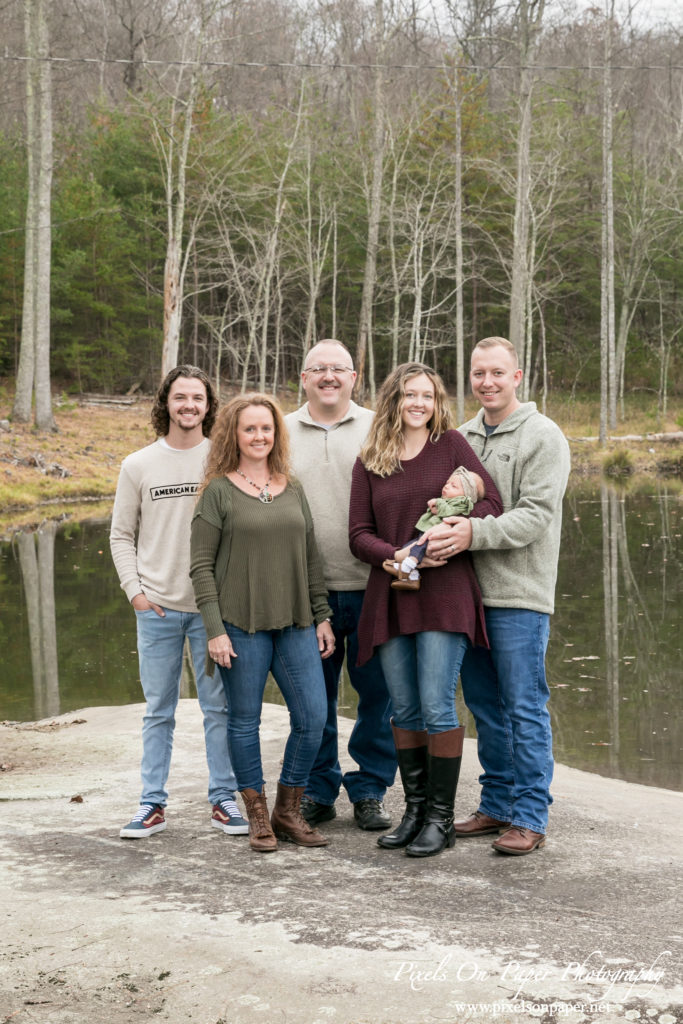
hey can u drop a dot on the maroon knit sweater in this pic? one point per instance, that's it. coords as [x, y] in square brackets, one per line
[382, 515]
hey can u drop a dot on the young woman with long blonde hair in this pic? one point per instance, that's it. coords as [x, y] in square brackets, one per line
[421, 636]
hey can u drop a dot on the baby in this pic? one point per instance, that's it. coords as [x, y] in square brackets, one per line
[458, 496]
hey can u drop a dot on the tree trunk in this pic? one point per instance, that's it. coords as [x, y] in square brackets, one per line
[544, 359]
[318, 232]
[176, 178]
[273, 246]
[195, 311]
[636, 271]
[527, 361]
[34, 358]
[335, 269]
[459, 265]
[278, 335]
[530, 19]
[374, 215]
[175, 158]
[393, 262]
[24, 387]
[608, 386]
[418, 284]
[520, 240]
[172, 304]
[665, 344]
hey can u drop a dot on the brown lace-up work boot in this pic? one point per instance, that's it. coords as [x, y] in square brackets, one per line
[288, 822]
[261, 837]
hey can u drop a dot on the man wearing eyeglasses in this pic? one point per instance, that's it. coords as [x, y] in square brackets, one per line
[326, 435]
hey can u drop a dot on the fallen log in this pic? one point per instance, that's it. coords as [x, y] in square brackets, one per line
[676, 435]
[109, 399]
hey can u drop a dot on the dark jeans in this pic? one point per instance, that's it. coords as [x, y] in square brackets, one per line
[371, 743]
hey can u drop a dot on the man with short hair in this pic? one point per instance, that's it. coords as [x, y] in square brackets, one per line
[155, 499]
[326, 435]
[515, 557]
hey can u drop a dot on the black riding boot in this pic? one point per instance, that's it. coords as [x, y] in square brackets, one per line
[411, 753]
[444, 754]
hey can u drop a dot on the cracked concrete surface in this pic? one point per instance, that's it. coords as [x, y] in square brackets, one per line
[190, 925]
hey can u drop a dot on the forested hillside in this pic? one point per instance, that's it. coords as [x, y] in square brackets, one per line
[238, 179]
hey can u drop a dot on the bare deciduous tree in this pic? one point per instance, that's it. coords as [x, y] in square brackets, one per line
[364, 348]
[608, 389]
[530, 19]
[34, 358]
[173, 143]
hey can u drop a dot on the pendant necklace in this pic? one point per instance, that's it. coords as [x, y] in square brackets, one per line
[264, 494]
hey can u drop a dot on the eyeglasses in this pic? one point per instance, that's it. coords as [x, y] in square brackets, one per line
[318, 370]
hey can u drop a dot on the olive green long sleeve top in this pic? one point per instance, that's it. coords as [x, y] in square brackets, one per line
[255, 565]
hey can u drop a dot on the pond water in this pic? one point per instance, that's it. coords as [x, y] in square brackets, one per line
[614, 663]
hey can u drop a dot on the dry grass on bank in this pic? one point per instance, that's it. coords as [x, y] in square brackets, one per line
[91, 440]
[89, 444]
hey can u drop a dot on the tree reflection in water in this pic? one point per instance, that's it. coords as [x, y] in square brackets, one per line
[59, 580]
[36, 558]
[615, 687]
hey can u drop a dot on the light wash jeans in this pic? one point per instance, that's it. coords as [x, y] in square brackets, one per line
[421, 670]
[292, 655]
[506, 690]
[160, 652]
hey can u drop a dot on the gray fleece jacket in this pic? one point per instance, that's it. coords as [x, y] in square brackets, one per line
[515, 555]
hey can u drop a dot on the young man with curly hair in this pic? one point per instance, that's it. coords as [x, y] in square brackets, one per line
[150, 545]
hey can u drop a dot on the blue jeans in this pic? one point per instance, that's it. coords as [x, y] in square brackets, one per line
[422, 673]
[160, 651]
[371, 743]
[506, 691]
[292, 655]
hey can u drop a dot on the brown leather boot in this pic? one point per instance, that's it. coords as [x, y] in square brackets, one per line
[261, 837]
[288, 822]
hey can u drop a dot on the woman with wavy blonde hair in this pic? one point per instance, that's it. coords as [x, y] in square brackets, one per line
[420, 637]
[381, 452]
[259, 586]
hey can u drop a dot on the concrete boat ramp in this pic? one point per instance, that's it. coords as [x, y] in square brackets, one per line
[190, 926]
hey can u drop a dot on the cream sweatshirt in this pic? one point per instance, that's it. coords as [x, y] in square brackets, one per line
[150, 528]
